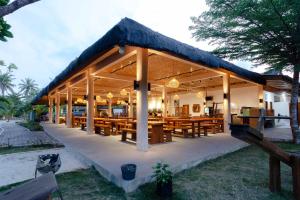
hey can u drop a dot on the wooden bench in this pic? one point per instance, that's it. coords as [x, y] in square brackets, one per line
[105, 127]
[82, 125]
[207, 127]
[184, 130]
[39, 188]
[168, 135]
[126, 131]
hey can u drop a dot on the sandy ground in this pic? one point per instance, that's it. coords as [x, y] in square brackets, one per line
[18, 167]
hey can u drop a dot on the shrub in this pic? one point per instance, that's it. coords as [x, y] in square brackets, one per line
[32, 126]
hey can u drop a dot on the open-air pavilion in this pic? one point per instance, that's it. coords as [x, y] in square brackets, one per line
[138, 84]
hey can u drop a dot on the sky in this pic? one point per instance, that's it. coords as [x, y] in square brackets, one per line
[49, 34]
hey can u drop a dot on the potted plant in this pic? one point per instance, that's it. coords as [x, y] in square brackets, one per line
[163, 177]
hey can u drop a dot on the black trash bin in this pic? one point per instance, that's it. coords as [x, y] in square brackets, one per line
[128, 171]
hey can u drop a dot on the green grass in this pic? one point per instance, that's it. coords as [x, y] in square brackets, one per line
[239, 175]
[8, 150]
[31, 125]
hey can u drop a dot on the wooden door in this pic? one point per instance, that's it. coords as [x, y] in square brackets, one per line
[186, 110]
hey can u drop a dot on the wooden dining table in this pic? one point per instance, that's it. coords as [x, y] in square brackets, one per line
[195, 122]
[155, 127]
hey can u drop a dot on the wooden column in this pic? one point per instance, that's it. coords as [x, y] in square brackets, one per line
[110, 108]
[164, 104]
[130, 107]
[50, 109]
[275, 180]
[261, 102]
[90, 103]
[142, 99]
[69, 107]
[296, 176]
[57, 107]
[226, 102]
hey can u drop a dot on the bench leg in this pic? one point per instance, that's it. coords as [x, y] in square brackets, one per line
[106, 131]
[185, 133]
[97, 130]
[124, 136]
[205, 131]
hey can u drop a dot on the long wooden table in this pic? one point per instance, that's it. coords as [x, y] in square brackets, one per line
[196, 122]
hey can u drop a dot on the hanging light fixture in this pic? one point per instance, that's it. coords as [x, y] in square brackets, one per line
[80, 100]
[98, 99]
[123, 92]
[176, 97]
[173, 83]
[110, 95]
[199, 95]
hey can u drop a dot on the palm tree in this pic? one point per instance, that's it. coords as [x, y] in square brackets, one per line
[6, 84]
[28, 87]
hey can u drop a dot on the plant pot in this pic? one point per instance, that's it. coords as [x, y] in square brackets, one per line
[128, 171]
[164, 189]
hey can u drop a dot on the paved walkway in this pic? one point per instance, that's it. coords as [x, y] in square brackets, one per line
[14, 135]
[107, 154]
[281, 132]
[18, 167]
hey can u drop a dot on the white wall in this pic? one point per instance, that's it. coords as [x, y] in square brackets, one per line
[281, 107]
[246, 96]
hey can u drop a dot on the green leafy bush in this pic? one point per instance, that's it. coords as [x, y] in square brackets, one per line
[31, 125]
[162, 173]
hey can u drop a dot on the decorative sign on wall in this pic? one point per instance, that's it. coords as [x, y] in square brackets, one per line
[196, 108]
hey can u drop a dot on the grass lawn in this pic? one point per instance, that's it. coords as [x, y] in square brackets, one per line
[239, 175]
[8, 150]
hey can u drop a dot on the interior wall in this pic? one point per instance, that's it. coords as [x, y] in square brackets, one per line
[281, 105]
[246, 96]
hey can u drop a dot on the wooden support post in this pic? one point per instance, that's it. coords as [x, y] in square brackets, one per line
[69, 107]
[57, 107]
[226, 102]
[110, 108]
[275, 178]
[130, 107]
[90, 103]
[164, 103]
[261, 102]
[296, 175]
[50, 109]
[142, 99]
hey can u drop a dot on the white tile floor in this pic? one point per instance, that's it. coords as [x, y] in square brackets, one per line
[108, 153]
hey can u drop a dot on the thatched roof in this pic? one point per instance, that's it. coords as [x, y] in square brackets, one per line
[130, 32]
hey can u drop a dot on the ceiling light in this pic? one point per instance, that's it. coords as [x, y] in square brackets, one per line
[176, 97]
[98, 98]
[123, 92]
[199, 95]
[174, 83]
[110, 95]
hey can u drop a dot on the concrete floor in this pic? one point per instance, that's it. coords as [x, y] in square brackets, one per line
[108, 153]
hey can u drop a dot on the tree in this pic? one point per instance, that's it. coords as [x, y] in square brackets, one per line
[6, 84]
[261, 31]
[7, 8]
[10, 106]
[28, 88]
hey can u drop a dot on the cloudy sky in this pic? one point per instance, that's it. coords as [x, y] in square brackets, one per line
[51, 33]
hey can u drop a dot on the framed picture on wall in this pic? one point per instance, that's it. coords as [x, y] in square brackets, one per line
[196, 108]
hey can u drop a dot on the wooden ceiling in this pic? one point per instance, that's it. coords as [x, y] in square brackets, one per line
[161, 70]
